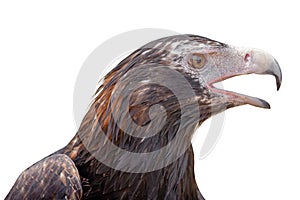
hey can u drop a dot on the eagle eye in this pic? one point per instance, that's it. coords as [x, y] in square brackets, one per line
[197, 60]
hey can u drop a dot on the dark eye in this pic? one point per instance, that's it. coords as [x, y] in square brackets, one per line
[197, 60]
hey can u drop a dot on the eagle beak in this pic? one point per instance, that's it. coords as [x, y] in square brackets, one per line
[255, 62]
[263, 63]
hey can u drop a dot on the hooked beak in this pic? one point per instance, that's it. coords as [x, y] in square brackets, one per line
[264, 63]
[255, 62]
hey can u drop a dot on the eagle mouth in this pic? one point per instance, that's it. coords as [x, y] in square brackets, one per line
[237, 98]
[255, 62]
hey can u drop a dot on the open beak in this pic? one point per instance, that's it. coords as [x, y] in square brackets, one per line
[255, 62]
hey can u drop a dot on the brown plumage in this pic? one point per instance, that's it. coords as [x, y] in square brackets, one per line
[75, 172]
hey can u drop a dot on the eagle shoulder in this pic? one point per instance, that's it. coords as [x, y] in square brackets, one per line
[54, 177]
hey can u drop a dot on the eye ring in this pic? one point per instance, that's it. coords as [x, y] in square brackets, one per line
[197, 60]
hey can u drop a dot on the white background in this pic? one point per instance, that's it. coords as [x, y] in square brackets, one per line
[43, 45]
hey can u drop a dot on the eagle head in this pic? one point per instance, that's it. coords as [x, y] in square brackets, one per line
[165, 89]
[204, 62]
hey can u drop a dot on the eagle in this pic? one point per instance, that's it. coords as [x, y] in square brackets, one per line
[157, 96]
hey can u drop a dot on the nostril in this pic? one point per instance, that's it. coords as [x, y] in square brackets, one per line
[247, 57]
